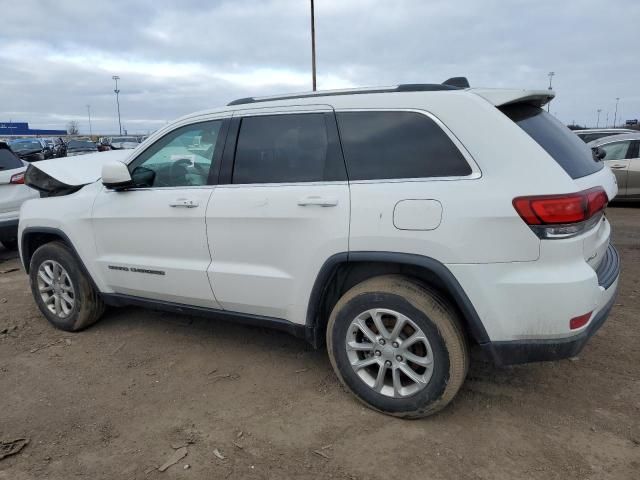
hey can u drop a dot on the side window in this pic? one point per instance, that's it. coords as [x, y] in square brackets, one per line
[283, 149]
[616, 150]
[390, 145]
[8, 160]
[181, 158]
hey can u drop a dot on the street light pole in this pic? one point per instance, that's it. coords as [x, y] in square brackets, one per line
[550, 75]
[615, 115]
[313, 47]
[598, 121]
[117, 91]
[89, 113]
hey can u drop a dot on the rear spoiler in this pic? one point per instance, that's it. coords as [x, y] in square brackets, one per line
[500, 97]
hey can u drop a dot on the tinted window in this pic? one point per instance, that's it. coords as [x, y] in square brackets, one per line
[284, 148]
[590, 137]
[616, 150]
[388, 145]
[8, 160]
[564, 146]
[182, 157]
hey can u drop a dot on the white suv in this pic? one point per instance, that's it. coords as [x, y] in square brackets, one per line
[406, 225]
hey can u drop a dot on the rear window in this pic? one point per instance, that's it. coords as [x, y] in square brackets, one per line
[564, 146]
[392, 145]
[8, 160]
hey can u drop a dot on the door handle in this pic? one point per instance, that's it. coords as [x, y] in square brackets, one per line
[617, 166]
[318, 201]
[183, 203]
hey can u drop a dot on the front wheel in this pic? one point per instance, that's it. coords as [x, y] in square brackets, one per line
[62, 290]
[397, 346]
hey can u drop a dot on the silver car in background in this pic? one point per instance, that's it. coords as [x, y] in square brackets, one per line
[590, 134]
[621, 154]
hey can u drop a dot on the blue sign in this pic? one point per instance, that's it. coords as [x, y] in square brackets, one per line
[22, 128]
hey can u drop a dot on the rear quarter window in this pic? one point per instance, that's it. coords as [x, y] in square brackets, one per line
[564, 146]
[394, 145]
[8, 160]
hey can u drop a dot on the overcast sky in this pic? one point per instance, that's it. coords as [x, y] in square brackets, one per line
[175, 57]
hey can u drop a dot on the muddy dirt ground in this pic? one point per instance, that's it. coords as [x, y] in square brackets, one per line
[115, 401]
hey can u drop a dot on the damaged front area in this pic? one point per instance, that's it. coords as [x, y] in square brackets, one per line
[46, 184]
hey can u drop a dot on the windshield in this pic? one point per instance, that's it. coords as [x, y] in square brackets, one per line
[24, 145]
[565, 147]
[124, 139]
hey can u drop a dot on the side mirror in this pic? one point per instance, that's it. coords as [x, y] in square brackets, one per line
[116, 175]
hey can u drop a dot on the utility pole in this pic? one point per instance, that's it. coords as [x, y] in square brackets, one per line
[550, 75]
[89, 114]
[607, 124]
[598, 121]
[117, 92]
[615, 115]
[313, 47]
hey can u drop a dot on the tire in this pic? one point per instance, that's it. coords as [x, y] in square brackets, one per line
[86, 307]
[9, 243]
[425, 311]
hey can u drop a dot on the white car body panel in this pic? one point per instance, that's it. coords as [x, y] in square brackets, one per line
[138, 229]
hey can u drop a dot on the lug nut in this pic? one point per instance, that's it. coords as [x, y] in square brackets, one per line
[377, 353]
[381, 341]
[399, 358]
[388, 363]
[395, 344]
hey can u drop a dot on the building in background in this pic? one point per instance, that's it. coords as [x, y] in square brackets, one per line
[21, 129]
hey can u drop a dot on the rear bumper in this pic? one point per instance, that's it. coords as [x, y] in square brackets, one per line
[9, 228]
[534, 350]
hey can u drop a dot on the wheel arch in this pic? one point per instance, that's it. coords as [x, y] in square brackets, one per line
[342, 271]
[33, 238]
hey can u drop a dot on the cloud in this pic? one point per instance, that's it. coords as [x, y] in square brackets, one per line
[178, 57]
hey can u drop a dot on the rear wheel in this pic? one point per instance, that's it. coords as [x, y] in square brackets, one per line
[397, 346]
[61, 289]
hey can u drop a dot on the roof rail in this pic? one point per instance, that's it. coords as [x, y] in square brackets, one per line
[405, 87]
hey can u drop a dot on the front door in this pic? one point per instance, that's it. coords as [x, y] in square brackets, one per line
[151, 240]
[280, 213]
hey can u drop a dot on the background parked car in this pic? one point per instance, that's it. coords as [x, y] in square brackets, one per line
[50, 144]
[622, 156]
[80, 147]
[591, 134]
[31, 149]
[103, 144]
[59, 147]
[13, 192]
[122, 143]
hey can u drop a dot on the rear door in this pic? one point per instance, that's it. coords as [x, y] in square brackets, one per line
[280, 210]
[617, 158]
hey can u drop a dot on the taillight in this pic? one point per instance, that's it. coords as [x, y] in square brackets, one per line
[17, 179]
[562, 216]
